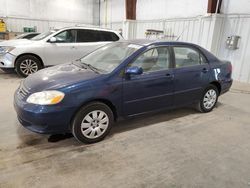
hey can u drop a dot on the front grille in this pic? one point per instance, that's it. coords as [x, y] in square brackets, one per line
[23, 92]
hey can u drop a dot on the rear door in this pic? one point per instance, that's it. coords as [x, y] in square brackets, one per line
[191, 74]
[152, 90]
[88, 40]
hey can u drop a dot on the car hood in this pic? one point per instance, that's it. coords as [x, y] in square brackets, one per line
[16, 42]
[57, 77]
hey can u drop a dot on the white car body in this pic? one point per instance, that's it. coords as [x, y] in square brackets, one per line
[50, 53]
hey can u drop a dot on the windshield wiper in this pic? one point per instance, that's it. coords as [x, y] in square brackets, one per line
[96, 70]
[78, 63]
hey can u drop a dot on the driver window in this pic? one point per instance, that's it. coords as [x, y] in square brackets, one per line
[153, 60]
[68, 36]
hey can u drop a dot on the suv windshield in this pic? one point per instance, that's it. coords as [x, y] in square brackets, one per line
[44, 35]
[108, 57]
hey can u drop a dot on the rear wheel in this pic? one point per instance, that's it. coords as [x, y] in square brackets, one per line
[92, 123]
[208, 99]
[27, 64]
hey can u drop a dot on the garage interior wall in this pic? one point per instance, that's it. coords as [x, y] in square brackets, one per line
[187, 19]
[191, 22]
[112, 13]
[47, 14]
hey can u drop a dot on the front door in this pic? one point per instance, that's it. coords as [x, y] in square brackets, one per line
[152, 90]
[63, 50]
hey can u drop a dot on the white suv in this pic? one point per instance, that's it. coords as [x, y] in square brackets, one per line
[52, 48]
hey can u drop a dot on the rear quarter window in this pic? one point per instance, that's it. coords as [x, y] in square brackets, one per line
[108, 36]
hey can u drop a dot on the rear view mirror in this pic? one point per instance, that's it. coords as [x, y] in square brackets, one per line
[52, 39]
[134, 70]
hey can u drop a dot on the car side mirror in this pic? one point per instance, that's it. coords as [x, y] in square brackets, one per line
[52, 39]
[134, 70]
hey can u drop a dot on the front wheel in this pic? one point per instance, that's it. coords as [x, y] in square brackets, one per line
[92, 123]
[27, 64]
[208, 99]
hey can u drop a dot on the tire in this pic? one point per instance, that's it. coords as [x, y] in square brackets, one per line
[27, 64]
[87, 124]
[209, 99]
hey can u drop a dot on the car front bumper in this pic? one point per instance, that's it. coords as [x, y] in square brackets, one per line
[43, 119]
[7, 60]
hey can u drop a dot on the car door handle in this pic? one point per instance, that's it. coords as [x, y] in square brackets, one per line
[204, 70]
[73, 47]
[168, 75]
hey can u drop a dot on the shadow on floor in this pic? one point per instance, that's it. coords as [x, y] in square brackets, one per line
[9, 75]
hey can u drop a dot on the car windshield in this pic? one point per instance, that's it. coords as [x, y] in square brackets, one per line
[108, 57]
[44, 35]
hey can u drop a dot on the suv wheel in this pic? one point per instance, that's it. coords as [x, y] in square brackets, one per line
[208, 99]
[92, 123]
[27, 65]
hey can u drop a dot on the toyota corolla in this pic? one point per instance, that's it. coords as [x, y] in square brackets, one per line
[120, 80]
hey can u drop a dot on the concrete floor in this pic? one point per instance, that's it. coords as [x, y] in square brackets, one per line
[176, 149]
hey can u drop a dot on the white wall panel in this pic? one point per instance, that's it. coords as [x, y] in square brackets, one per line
[159, 9]
[112, 11]
[45, 14]
[64, 10]
[3, 7]
[237, 25]
[235, 6]
[17, 8]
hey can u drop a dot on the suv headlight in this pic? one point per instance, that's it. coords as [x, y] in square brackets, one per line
[46, 97]
[6, 49]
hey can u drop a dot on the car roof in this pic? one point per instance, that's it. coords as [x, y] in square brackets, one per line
[148, 42]
[90, 28]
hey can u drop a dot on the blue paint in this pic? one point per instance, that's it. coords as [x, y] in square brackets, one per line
[128, 89]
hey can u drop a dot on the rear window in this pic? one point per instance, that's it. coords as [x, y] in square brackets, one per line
[84, 35]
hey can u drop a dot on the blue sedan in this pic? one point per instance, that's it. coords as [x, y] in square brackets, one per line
[121, 79]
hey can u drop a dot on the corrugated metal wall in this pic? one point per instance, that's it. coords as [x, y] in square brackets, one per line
[17, 24]
[209, 31]
[46, 14]
[240, 58]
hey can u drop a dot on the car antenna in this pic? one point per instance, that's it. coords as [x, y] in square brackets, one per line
[181, 34]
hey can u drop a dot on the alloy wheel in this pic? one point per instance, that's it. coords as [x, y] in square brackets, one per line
[28, 67]
[209, 99]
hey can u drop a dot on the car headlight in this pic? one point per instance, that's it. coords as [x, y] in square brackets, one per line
[46, 97]
[6, 49]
